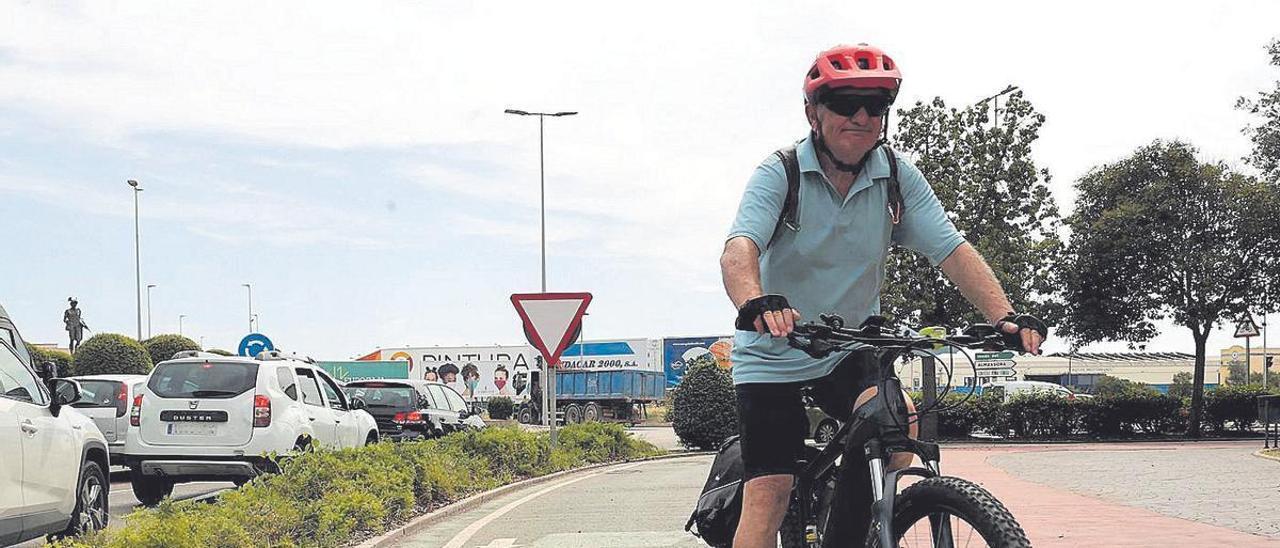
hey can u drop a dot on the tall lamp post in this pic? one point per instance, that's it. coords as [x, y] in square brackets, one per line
[149, 288]
[542, 180]
[550, 374]
[137, 253]
[180, 317]
[250, 288]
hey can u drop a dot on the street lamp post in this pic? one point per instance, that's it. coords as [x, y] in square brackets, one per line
[550, 374]
[250, 288]
[180, 317]
[149, 288]
[995, 115]
[137, 253]
[542, 180]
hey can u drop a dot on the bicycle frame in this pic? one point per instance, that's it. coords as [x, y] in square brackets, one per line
[872, 433]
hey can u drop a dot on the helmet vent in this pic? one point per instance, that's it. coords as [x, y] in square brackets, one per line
[835, 62]
[864, 63]
[888, 63]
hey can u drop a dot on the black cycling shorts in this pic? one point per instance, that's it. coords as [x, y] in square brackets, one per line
[772, 419]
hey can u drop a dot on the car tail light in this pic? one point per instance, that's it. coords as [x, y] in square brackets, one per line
[136, 414]
[261, 411]
[122, 400]
[409, 417]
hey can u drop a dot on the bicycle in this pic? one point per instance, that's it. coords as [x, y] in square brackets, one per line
[825, 509]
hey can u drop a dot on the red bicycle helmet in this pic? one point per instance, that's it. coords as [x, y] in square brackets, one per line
[860, 66]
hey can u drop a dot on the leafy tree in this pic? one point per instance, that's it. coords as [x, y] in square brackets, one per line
[1160, 235]
[992, 190]
[1182, 385]
[703, 408]
[163, 347]
[1108, 386]
[1266, 133]
[112, 354]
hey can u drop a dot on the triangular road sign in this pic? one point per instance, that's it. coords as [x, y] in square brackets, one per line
[1246, 328]
[551, 320]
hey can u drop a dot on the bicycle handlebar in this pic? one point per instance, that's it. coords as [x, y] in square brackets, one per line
[821, 339]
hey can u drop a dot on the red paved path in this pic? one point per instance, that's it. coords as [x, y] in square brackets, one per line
[1056, 517]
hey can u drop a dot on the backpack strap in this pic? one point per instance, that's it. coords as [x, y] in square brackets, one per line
[789, 215]
[895, 192]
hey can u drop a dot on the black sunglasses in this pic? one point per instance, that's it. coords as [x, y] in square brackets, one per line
[848, 105]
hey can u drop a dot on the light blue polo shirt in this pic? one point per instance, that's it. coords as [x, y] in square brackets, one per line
[835, 262]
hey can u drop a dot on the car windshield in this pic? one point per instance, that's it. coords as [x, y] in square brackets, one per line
[384, 395]
[97, 393]
[203, 380]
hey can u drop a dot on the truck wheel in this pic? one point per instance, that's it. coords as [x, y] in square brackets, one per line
[573, 414]
[148, 489]
[525, 416]
[591, 413]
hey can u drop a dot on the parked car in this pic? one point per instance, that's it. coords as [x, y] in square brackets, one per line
[205, 417]
[105, 399]
[1007, 390]
[413, 409]
[822, 427]
[53, 463]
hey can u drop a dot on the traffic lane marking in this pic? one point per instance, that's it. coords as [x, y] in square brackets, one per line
[459, 540]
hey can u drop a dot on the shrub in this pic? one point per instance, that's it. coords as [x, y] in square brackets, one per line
[703, 407]
[1233, 404]
[219, 352]
[111, 354]
[163, 347]
[1042, 415]
[325, 498]
[1107, 386]
[42, 358]
[501, 408]
[975, 413]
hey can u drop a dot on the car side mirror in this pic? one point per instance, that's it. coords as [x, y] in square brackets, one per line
[65, 392]
[358, 403]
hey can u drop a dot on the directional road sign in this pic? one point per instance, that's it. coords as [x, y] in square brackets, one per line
[253, 344]
[996, 364]
[551, 320]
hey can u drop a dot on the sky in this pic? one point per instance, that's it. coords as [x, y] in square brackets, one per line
[352, 162]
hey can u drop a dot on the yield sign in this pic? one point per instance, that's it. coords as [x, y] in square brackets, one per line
[551, 320]
[1246, 328]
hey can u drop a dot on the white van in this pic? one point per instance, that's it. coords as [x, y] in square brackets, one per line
[1006, 390]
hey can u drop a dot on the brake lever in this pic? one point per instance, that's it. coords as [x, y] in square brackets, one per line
[815, 348]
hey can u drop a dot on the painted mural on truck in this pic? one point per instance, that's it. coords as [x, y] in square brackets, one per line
[482, 372]
[678, 352]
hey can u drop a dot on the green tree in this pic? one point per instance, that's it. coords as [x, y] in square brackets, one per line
[703, 408]
[163, 347]
[1182, 385]
[1265, 133]
[1108, 386]
[1162, 236]
[112, 354]
[986, 179]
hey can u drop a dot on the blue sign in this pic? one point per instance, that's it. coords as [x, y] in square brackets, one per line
[253, 344]
[676, 352]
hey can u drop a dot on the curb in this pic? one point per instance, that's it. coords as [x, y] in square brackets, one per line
[1259, 454]
[430, 518]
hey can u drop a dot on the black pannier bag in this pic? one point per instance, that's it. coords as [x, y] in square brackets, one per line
[715, 518]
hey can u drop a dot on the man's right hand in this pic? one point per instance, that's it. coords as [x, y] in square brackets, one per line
[770, 314]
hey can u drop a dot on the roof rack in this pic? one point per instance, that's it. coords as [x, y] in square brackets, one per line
[194, 354]
[276, 355]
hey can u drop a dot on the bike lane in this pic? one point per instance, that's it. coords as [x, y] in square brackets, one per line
[646, 505]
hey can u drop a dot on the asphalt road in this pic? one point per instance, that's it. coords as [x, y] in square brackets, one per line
[122, 501]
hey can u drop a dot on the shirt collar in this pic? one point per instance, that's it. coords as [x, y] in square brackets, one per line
[807, 156]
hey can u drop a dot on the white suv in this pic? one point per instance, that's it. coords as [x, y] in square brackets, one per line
[53, 461]
[205, 417]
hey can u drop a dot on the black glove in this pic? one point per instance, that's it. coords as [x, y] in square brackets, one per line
[1023, 321]
[753, 308]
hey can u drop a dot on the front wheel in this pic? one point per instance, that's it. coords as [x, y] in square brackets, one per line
[931, 509]
[90, 513]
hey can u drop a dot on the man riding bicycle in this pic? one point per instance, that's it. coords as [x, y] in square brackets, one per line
[829, 257]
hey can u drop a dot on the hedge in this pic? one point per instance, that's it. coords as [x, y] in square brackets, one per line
[163, 347]
[329, 498]
[501, 407]
[1121, 413]
[42, 358]
[112, 354]
[703, 408]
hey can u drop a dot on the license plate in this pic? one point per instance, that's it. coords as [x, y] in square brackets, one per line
[192, 429]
